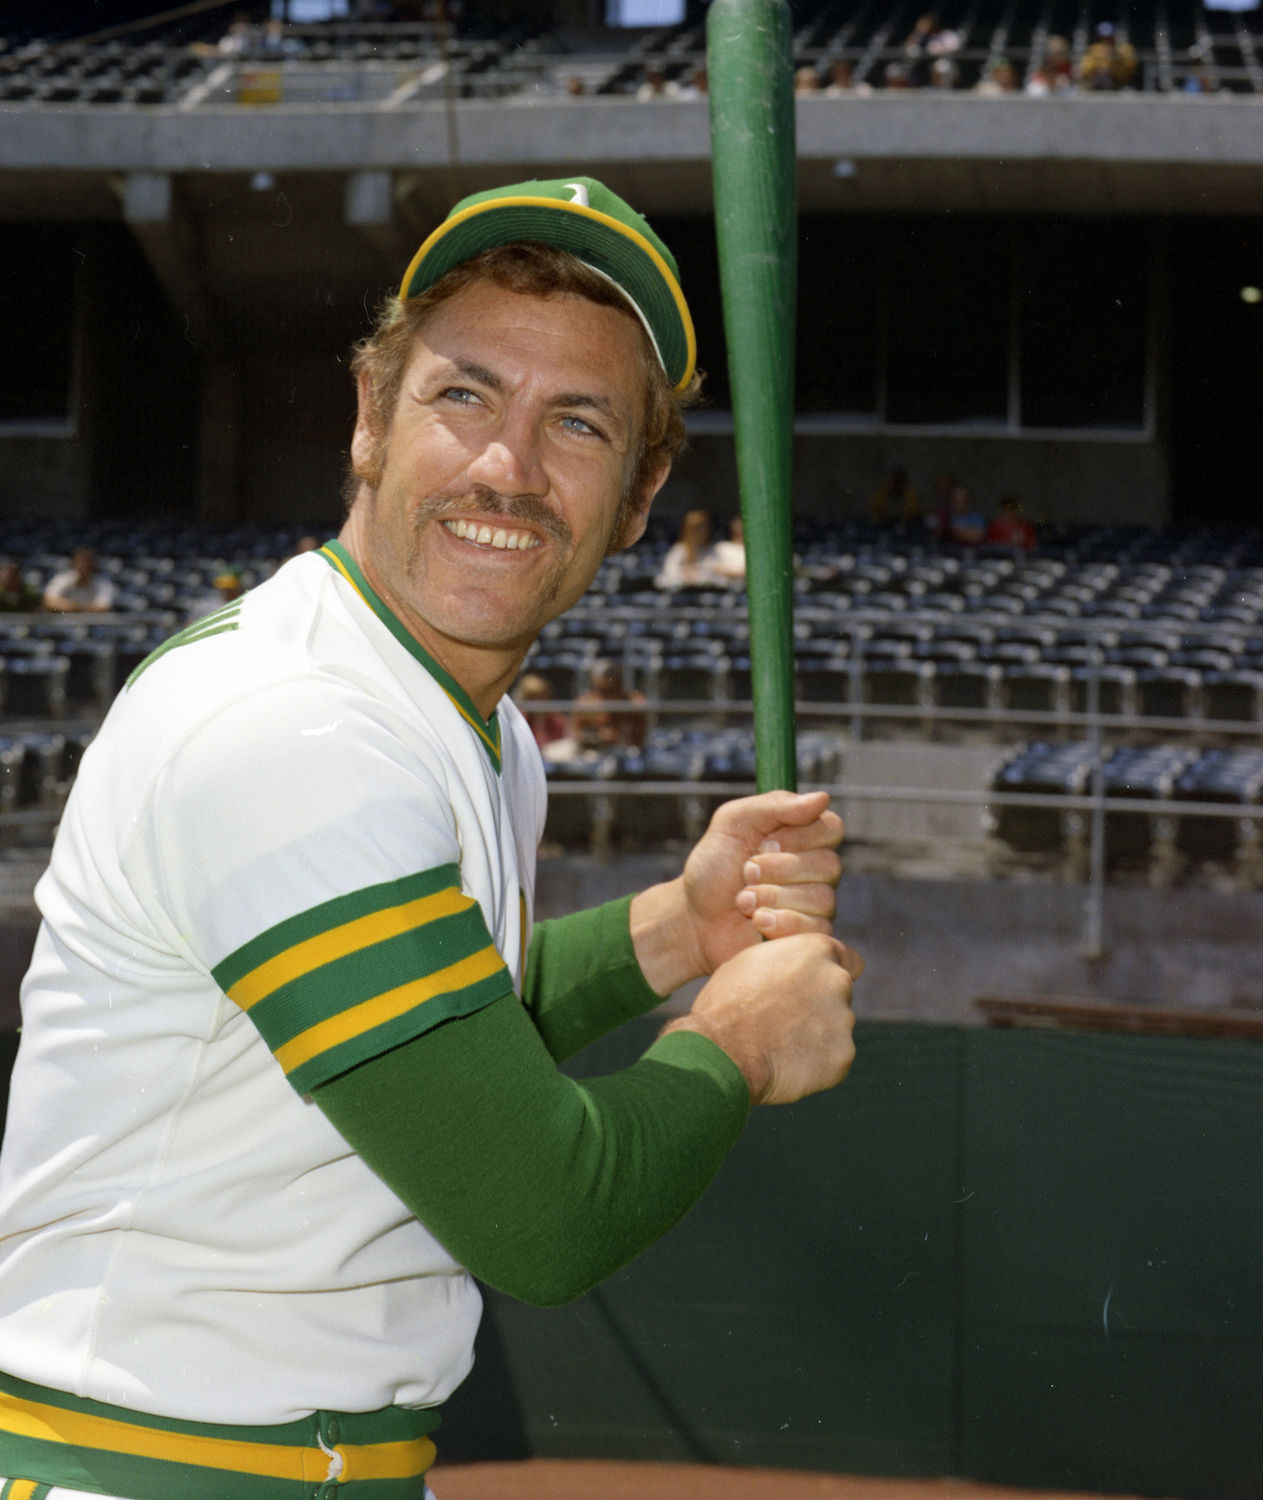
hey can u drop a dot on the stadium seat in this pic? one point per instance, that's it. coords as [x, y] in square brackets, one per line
[1234, 778]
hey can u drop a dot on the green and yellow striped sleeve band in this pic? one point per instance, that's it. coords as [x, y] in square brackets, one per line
[357, 975]
[52, 1438]
[23, 1489]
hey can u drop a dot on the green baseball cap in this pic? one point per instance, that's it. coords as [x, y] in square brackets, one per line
[581, 215]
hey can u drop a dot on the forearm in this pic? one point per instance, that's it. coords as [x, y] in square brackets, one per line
[540, 1186]
[585, 977]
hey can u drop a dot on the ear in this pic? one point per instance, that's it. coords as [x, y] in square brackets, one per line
[367, 444]
[635, 516]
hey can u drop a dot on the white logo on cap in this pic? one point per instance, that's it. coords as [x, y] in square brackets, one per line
[580, 194]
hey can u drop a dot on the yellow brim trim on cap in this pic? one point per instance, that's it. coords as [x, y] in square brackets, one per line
[641, 243]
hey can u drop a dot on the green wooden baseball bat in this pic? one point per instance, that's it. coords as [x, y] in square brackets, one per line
[753, 155]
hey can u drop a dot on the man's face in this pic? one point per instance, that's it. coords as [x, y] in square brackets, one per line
[510, 450]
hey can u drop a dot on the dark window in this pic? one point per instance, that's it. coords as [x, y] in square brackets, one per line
[947, 302]
[839, 300]
[1083, 294]
[37, 303]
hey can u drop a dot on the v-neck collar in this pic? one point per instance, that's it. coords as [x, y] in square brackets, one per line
[487, 730]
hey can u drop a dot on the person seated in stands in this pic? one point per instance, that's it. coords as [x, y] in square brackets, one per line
[16, 595]
[695, 85]
[550, 727]
[79, 589]
[730, 554]
[1108, 64]
[806, 80]
[897, 76]
[240, 38]
[654, 83]
[225, 587]
[842, 80]
[1055, 73]
[598, 723]
[998, 80]
[895, 500]
[1009, 527]
[943, 73]
[965, 526]
[1204, 81]
[690, 563]
[930, 38]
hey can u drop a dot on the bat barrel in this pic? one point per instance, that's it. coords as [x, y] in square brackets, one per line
[753, 153]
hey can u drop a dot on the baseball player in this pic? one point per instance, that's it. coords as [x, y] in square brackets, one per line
[288, 1073]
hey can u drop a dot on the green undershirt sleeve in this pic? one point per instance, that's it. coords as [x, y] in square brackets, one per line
[582, 977]
[539, 1185]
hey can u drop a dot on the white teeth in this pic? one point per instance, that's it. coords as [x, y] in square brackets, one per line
[483, 536]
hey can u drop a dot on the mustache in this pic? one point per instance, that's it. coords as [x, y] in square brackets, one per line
[490, 504]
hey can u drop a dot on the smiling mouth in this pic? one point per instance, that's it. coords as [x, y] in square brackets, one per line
[499, 538]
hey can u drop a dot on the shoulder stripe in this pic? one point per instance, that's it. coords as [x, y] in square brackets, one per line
[223, 619]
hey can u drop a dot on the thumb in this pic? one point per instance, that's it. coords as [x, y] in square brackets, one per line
[757, 818]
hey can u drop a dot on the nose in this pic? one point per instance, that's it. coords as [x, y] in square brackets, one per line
[511, 461]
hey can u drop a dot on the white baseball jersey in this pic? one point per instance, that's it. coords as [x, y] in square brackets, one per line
[293, 845]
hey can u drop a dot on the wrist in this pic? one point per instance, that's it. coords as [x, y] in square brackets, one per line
[663, 937]
[752, 1065]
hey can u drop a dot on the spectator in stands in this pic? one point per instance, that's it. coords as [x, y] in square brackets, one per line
[240, 38]
[696, 84]
[575, 86]
[550, 727]
[895, 500]
[730, 554]
[274, 45]
[897, 76]
[1055, 72]
[806, 80]
[654, 83]
[941, 501]
[78, 588]
[930, 38]
[599, 724]
[943, 73]
[1204, 81]
[966, 526]
[691, 561]
[17, 596]
[1108, 64]
[842, 80]
[1009, 527]
[998, 80]
[225, 587]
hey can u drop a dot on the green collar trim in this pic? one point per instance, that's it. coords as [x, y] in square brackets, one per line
[487, 730]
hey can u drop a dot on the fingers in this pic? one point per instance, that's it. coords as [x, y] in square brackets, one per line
[787, 894]
[784, 1016]
[820, 866]
[790, 821]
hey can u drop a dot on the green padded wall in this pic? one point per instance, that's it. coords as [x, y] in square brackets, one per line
[1112, 1263]
[1029, 1257]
